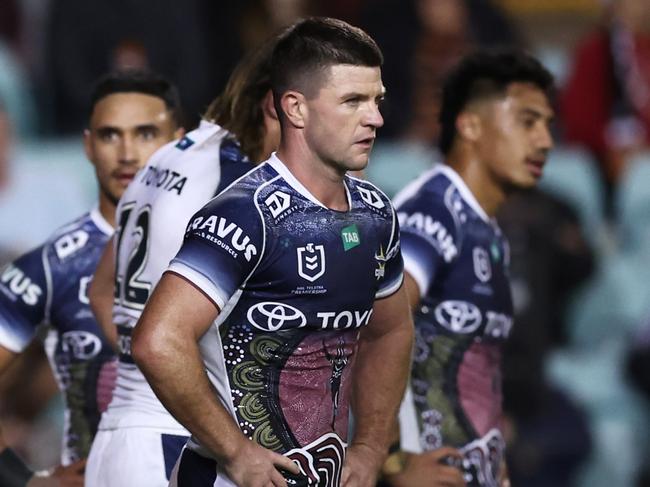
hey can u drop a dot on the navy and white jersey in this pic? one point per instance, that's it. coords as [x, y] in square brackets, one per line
[151, 217]
[294, 282]
[459, 259]
[47, 286]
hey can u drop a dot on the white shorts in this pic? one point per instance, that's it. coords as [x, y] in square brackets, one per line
[132, 457]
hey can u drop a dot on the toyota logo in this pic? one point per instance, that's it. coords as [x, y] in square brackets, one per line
[81, 344]
[458, 316]
[269, 316]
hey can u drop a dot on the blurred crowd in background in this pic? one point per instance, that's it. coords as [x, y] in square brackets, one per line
[577, 369]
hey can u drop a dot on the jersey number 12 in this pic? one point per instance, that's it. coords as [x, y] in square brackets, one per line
[130, 291]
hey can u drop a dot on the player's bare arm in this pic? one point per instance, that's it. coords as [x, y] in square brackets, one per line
[430, 469]
[380, 377]
[100, 294]
[165, 347]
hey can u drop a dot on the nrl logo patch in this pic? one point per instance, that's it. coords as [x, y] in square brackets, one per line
[482, 266]
[311, 261]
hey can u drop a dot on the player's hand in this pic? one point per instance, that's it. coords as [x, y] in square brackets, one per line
[70, 476]
[504, 478]
[361, 467]
[429, 470]
[256, 466]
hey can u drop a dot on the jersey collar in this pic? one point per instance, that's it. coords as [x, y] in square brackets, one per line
[464, 190]
[100, 222]
[288, 176]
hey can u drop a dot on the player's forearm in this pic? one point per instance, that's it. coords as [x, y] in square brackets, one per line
[100, 295]
[174, 369]
[380, 378]
[102, 307]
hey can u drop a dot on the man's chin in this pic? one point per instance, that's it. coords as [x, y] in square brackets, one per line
[112, 196]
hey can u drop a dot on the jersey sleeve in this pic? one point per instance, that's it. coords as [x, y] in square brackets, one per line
[223, 244]
[391, 265]
[428, 239]
[23, 299]
[233, 164]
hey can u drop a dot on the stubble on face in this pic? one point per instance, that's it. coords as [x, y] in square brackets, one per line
[343, 116]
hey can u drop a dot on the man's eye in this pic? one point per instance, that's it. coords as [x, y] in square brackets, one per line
[107, 136]
[148, 134]
[528, 122]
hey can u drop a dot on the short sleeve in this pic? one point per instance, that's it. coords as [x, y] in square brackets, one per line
[23, 298]
[222, 246]
[428, 239]
[391, 266]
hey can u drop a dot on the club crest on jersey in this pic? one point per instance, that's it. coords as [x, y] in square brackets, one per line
[381, 257]
[371, 198]
[277, 203]
[311, 261]
[482, 266]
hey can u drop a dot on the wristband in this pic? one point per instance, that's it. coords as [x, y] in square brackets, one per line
[13, 471]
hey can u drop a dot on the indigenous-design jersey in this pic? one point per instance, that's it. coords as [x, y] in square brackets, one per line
[47, 286]
[459, 259]
[294, 282]
[151, 218]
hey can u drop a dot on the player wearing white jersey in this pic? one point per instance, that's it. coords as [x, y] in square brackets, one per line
[132, 115]
[300, 267]
[138, 440]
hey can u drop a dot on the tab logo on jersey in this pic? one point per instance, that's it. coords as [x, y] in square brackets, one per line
[70, 243]
[277, 203]
[218, 228]
[271, 316]
[350, 237]
[184, 143]
[458, 316]
[371, 198]
[21, 285]
[311, 261]
[81, 344]
[482, 266]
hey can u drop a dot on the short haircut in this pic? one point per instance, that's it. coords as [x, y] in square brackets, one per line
[312, 45]
[138, 81]
[484, 74]
[238, 108]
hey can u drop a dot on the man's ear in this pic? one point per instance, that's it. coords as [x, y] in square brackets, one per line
[294, 106]
[469, 126]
